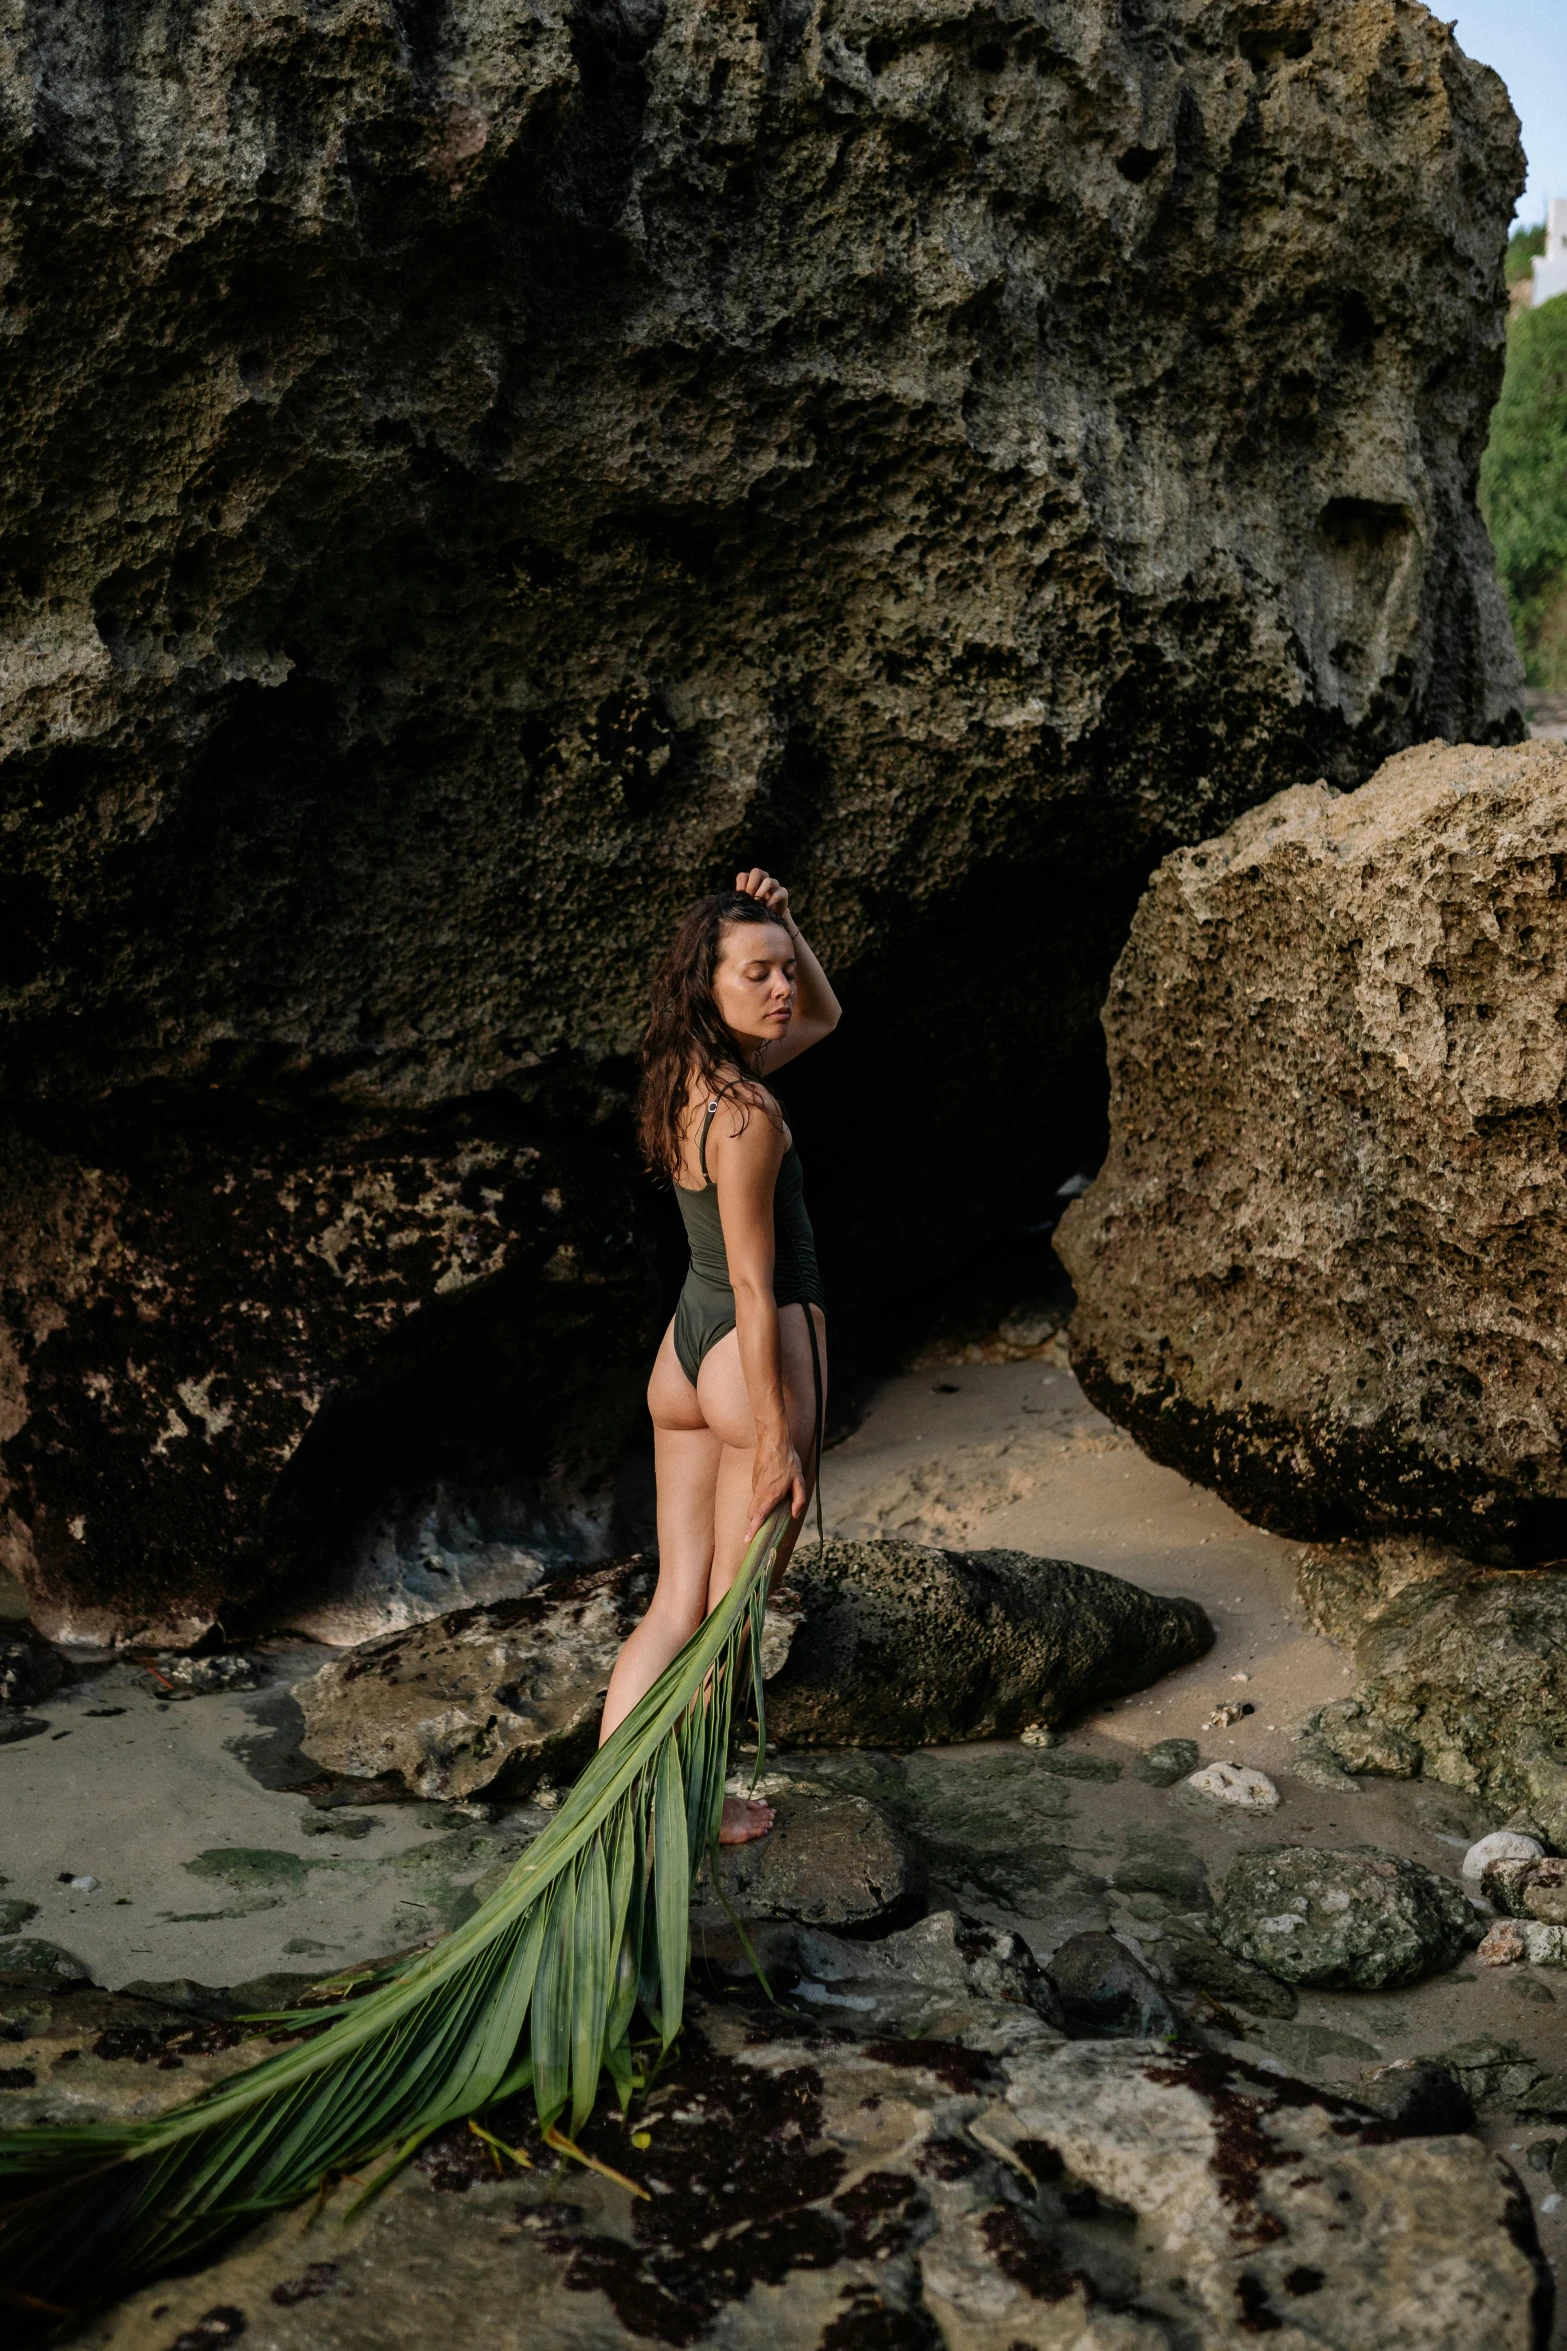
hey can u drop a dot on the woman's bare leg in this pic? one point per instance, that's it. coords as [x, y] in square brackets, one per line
[726, 1409]
[686, 1456]
[704, 1501]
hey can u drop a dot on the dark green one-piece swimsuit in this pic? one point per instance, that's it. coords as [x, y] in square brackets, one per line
[706, 1311]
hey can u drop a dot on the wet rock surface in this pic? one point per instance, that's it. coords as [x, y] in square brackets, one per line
[1319, 1268]
[1353, 1920]
[903, 1645]
[573, 449]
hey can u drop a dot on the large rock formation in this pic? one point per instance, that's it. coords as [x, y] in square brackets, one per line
[1322, 1268]
[474, 473]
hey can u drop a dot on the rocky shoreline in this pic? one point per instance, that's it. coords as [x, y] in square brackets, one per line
[1070, 1900]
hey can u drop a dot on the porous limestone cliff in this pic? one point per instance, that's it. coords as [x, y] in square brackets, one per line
[477, 470]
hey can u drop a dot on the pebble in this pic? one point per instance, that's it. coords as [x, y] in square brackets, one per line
[1037, 1735]
[1236, 1783]
[1513, 1939]
[1500, 1845]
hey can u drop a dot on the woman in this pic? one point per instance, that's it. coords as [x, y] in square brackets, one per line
[737, 1388]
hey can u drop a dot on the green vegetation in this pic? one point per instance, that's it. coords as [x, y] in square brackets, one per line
[1522, 247]
[1523, 489]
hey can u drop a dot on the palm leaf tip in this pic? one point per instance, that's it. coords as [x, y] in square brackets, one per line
[541, 1985]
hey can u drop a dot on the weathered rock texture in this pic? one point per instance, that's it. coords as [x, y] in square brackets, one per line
[1466, 1666]
[474, 476]
[502, 1694]
[1002, 2191]
[1352, 1921]
[476, 472]
[872, 1644]
[223, 1361]
[904, 1646]
[1323, 1266]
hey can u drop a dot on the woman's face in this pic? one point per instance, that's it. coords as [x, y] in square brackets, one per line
[754, 983]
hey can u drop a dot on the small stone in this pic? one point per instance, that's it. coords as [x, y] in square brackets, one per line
[1224, 1717]
[1544, 1946]
[199, 1677]
[1240, 1677]
[1503, 1944]
[1236, 1783]
[1038, 1734]
[1541, 2154]
[1106, 1993]
[1529, 1889]
[1546, 2096]
[83, 1885]
[1167, 1761]
[1363, 1920]
[1500, 1845]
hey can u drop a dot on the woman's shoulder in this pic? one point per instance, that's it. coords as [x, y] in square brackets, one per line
[744, 1108]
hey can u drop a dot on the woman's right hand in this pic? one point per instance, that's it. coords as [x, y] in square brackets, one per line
[776, 1476]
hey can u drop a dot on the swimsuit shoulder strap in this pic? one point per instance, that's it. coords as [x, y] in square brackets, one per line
[707, 1128]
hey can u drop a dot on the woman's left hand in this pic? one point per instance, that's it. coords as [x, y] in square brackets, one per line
[772, 894]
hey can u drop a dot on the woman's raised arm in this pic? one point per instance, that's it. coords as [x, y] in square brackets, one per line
[816, 1009]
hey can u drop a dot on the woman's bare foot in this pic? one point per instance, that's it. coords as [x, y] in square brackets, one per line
[745, 1819]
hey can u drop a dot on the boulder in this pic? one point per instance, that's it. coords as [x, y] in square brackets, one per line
[1465, 1666]
[497, 1697]
[871, 1644]
[484, 472]
[1104, 1991]
[830, 1860]
[1320, 1269]
[1351, 1921]
[904, 1646]
[1002, 2189]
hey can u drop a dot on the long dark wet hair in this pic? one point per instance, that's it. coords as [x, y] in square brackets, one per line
[685, 1033]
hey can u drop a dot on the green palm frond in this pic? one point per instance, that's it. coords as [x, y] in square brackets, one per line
[541, 1986]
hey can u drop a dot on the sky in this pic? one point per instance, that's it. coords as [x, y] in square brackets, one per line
[1526, 41]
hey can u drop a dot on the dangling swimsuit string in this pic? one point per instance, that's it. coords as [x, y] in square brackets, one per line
[816, 1353]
